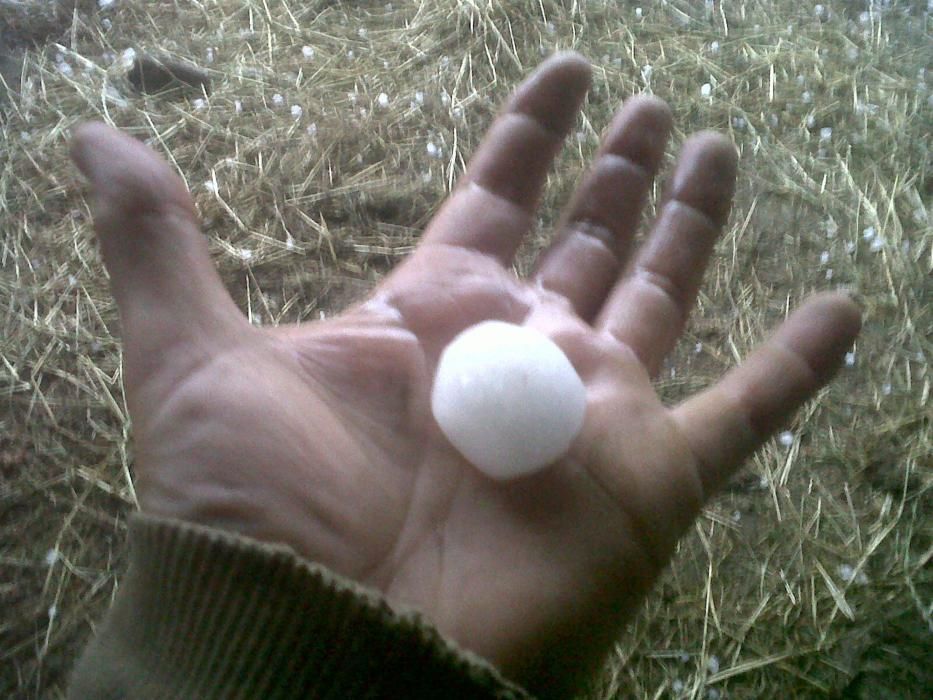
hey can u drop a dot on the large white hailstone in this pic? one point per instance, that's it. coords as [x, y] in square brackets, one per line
[507, 398]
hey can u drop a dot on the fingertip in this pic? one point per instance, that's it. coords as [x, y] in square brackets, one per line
[822, 331]
[570, 61]
[84, 135]
[705, 174]
[844, 306]
[127, 177]
[652, 106]
[715, 148]
[639, 131]
[554, 92]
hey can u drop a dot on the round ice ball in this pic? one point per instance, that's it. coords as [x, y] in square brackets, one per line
[507, 398]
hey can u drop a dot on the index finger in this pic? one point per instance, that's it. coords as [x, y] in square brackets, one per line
[494, 202]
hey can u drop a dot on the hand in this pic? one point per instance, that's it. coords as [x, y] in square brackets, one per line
[320, 436]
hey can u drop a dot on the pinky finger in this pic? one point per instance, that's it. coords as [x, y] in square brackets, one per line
[729, 421]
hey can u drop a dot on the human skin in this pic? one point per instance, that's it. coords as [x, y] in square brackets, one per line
[320, 435]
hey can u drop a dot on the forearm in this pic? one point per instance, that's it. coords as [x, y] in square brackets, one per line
[205, 614]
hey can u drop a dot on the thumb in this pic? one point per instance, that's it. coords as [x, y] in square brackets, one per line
[165, 285]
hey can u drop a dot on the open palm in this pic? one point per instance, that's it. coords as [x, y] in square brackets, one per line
[320, 436]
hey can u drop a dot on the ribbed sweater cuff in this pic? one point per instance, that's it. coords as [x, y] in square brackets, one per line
[203, 613]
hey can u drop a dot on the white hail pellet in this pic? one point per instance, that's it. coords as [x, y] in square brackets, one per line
[507, 398]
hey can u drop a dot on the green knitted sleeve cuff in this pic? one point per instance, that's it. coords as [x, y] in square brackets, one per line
[204, 614]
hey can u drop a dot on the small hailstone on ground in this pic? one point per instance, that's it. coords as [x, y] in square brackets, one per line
[698, 348]
[244, 254]
[824, 257]
[383, 100]
[706, 90]
[278, 100]
[712, 664]
[419, 97]
[683, 657]
[508, 399]
[114, 96]
[307, 52]
[550, 28]
[864, 17]
[820, 11]
[199, 103]
[877, 244]
[209, 55]
[53, 611]
[361, 32]
[105, 3]
[297, 111]
[64, 68]
[786, 438]
[646, 71]
[773, 120]
[677, 685]
[714, 47]
[312, 129]
[738, 122]
[237, 106]
[736, 516]
[826, 133]
[806, 97]
[433, 150]
[445, 97]
[350, 53]
[211, 186]
[51, 557]
[886, 388]
[829, 273]
[847, 573]
[811, 121]
[850, 359]
[128, 57]
[868, 233]
[639, 12]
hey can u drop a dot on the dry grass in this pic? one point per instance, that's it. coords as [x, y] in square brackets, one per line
[810, 577]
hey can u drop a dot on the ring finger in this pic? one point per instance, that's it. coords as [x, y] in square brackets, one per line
[596, 230]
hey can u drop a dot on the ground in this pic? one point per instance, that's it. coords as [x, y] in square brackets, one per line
[809, 577]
